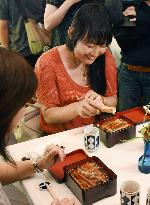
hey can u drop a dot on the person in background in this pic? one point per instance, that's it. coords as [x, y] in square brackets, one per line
[134, 76]
[12, 29]
[58, 17]
[18, 84]
[76, 81]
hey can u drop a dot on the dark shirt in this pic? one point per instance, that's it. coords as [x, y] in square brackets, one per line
[35, 9]
[62, 28]
[17, 34]
[136, 49]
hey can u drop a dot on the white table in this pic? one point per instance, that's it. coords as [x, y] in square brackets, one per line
[121, 158]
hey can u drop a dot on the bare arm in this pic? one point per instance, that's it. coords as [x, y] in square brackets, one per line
[59, 115]
[4, 37]
[110, 101]
[11, 173]
[53, 16]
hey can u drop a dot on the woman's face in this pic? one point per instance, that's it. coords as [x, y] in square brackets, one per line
[88, 52]
[17, 118]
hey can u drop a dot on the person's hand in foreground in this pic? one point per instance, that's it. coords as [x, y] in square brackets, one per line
[52, 155]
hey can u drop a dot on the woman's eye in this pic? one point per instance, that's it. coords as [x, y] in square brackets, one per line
[103, 46]
[90, 46]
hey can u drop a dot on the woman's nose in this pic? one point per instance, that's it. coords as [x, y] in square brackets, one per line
[98, 51]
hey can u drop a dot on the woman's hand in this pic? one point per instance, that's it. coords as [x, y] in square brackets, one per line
[65, 201]
[91, 102]
[99, 102]
[130, 11]
[52, 155]
[94, 96]
[86, 108]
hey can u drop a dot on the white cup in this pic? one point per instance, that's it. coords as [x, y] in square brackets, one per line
[91, 138]
[130, 193]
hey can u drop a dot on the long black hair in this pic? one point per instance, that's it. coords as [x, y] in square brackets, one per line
[92, 24]
[17, 85]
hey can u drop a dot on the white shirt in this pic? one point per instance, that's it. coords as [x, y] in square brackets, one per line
[3, 198]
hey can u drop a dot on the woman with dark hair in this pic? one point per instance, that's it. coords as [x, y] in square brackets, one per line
[17, 85]
[78, 80]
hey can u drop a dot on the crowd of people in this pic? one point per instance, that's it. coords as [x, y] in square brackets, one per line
[74, 81]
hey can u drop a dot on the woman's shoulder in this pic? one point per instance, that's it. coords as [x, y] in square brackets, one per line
[49, 56]
[109, 57]
[108, 53]
[111, 66]
[48, 61]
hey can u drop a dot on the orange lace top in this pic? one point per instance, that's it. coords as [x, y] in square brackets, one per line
[56, 88]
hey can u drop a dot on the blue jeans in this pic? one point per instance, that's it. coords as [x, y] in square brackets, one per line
[133, 88]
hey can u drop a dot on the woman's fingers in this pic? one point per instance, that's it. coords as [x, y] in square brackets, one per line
[48, 148]
[91, 94]
[88, 109]
[97, 103]
[61, 154]
[130, 11]
[52, 155]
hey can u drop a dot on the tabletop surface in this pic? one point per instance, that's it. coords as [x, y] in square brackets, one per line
[121, 158]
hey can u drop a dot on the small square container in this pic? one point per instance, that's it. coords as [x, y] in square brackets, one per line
[110, 138]
[57, 170]
[134, 116]
[88, 189]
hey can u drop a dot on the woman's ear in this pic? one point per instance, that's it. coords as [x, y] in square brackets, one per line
[70, 31]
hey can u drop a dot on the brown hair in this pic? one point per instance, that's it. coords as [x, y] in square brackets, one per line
[17, 85]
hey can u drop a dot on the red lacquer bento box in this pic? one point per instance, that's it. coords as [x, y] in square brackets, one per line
[87, 177]
[121, 126]
[57, 170]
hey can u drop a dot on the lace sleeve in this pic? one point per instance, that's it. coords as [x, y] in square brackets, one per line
[47, 92]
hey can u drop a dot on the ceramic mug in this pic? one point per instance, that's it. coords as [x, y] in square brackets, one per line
[148, 197]
[130, 193]
[91, 138]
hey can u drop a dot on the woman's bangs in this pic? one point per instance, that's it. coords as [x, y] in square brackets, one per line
[97, 36]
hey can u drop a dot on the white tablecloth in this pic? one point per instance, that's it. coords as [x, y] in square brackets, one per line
[121, 158]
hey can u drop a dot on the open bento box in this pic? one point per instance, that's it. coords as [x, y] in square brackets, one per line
[87, 177]
[121, 126]
[57, 170]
